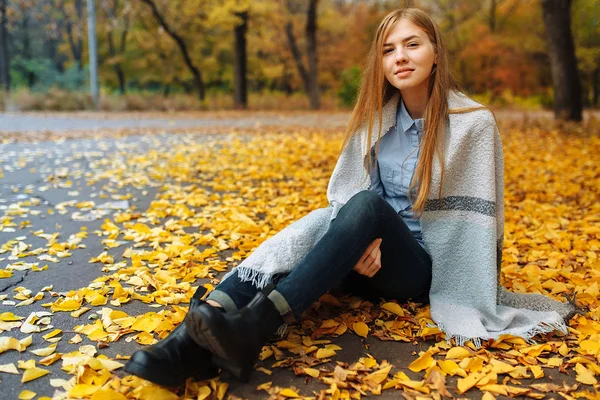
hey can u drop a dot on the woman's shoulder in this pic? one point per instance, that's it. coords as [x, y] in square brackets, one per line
[466, 113]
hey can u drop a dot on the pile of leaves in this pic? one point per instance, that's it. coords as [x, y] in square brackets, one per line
[217, 201]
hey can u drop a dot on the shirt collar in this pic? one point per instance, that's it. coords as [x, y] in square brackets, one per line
[404, 121]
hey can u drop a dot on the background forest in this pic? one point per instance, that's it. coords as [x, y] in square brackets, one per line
[185, 54]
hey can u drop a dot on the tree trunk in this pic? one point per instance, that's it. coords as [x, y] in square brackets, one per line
[311, 49]
[310, 77]
[297, 55]
[240, 95]
[117, 67]
[4, 53]
[595, 87]
[75, 34]
[112, 51]
[492, 20]
[565, 76]
[79, 44]
[30, 76]
[182, 46]
[54, 28]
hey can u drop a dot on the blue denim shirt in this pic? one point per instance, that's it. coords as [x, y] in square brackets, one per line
[398, 155]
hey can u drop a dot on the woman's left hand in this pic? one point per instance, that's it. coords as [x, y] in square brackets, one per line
[370, 261]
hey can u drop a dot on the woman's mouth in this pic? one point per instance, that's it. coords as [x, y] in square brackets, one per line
[404, 73]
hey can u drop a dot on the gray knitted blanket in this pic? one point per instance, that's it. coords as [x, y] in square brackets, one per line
[462, 231]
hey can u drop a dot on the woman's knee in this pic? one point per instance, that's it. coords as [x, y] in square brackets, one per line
[366, 198]
[364, 202]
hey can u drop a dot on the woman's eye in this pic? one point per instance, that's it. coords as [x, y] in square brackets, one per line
[387, 51]
[413, 44]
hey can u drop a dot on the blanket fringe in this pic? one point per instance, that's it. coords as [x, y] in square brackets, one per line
[541, 328]
[258, 279]
[281, 331]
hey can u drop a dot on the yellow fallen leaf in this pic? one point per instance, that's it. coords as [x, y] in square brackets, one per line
[393, 308]
[517, 391]
[147, 323]
[110, 365]
[500, 367]
[416, 385]
[222, 390]
[75, 339]
[537, 371]
[33, 373]
[144, 338]
[8, 316]
[203, 393]
[5, 274]
[425, 361]
[265, 353]
[555, 362]
[9, 369]
[329, 323]
[312, 372]
[83, 390]
[590, 364]
[26, 364]
[498, 389]
[9, 343]
[584, 375]
[457, 353]
[475, 364]
[52, 334]
[378, 376]
[65, 305]
[288, 393]
[45, 351]
[27, 395]
[488, 396]
[451, 368]
[264, 370]
[325, 353]
[361, 329]
[51, 359]
[78, 313]
[108, 394]
[369, 362]
[490, 378]
[467, 383]
[25, 342]
[564, 350]
[156, 393]
[58, 383]
[590, 347]
[536, 350]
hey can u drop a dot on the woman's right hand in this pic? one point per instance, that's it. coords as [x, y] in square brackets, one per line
[370, 261]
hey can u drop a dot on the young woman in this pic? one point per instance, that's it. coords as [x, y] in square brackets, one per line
[416, 213]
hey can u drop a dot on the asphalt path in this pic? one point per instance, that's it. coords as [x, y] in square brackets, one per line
[36, 173]
[16, 122]
[31, 175]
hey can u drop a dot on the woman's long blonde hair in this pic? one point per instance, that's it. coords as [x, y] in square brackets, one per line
[375, 91]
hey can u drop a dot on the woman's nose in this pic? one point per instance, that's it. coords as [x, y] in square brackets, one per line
[400, 56]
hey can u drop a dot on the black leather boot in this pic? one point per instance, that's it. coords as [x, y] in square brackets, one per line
[175, 358]
[235, 339]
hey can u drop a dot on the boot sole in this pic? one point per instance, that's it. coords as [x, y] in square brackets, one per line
[164, 379]
[240, 371]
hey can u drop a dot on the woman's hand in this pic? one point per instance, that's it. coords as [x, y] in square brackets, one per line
[370, 261]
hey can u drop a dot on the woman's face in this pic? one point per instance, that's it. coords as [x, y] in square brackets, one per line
[408, 57]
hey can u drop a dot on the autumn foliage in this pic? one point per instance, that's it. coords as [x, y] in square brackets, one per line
[219, 199]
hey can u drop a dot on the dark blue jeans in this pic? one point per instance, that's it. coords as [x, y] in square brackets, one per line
[405, 272]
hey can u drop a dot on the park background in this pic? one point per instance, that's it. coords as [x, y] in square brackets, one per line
[216, 124]
[283, 55]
